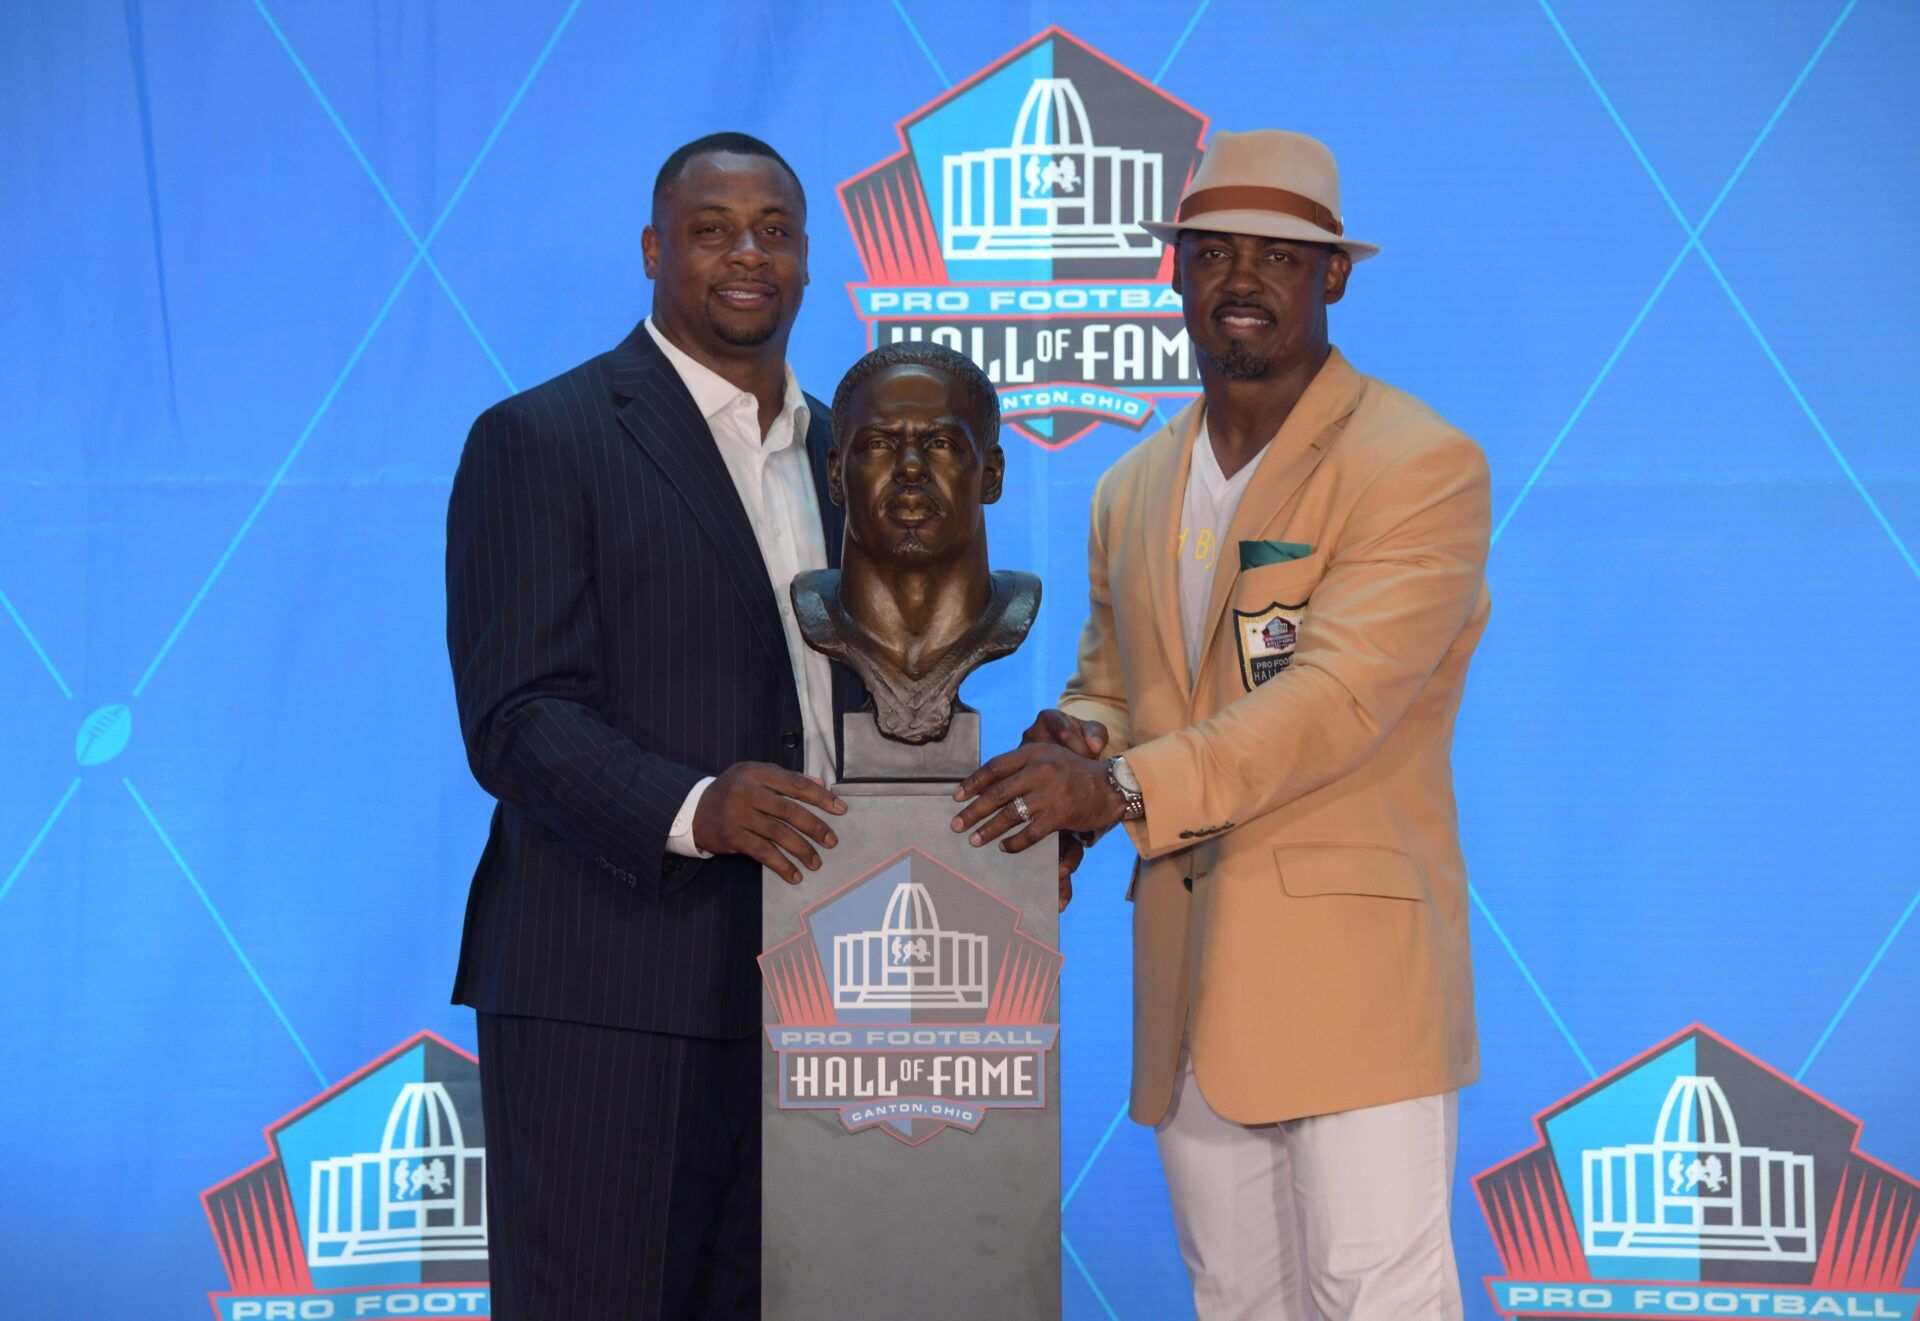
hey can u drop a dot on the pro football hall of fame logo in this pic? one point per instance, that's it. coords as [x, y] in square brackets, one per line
[1696, 1181]
[1008, 228]
[373, 1203]
[935, 1012]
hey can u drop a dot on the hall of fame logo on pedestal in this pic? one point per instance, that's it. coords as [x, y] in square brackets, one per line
[373, 1203]
[1697, 1181]
[911, 1001]
[1008, 229]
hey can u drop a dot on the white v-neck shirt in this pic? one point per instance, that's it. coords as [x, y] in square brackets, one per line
[774, 477]
[1206, 513]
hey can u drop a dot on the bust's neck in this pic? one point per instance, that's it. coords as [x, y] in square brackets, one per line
[913, 616]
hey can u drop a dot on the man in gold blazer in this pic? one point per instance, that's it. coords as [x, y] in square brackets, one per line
[1286, 587]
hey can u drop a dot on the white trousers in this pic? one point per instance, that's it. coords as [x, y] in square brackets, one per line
[1341, 1217]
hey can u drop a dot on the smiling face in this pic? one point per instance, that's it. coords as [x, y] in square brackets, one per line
[910, 468]
[727, 251]
[1257, 306]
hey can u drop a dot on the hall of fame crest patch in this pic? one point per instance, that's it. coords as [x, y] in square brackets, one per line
[1266, 640]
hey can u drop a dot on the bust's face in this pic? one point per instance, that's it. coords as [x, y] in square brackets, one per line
[911, 470]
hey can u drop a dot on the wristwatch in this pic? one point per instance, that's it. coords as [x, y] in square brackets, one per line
[1127, 785]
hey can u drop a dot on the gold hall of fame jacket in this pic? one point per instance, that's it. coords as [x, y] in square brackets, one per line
[1300, 905]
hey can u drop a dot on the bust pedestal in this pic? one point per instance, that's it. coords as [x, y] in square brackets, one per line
[910, 1088]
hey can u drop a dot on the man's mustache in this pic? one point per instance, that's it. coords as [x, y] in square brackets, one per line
[1222, 308]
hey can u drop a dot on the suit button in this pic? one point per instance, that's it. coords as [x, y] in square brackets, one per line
[1188, 882]
[789, 740]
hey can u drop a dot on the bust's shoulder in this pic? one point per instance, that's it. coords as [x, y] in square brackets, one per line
[812, 588]
[1021, 592]
[1018, 583]
[814, 592]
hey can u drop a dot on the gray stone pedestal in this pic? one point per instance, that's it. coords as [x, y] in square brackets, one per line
[910, 1114]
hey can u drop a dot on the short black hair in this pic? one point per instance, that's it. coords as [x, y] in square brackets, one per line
[737, 144]
[982, 398]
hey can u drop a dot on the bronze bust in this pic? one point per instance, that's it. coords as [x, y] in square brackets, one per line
[913, 608]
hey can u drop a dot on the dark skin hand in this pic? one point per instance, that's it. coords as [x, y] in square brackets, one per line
[1058, 772]
[1086, 738]
[1073, 849]
[754, 807]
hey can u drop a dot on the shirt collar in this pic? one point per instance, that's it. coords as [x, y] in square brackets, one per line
[713, 392]
[1206, 465]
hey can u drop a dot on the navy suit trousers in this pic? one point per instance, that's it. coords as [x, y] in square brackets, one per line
[623, 1172]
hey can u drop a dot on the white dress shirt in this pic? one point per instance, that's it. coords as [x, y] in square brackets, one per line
[1205, 516]
[774, 478]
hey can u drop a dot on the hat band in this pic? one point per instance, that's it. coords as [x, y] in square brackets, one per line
[1250, 197]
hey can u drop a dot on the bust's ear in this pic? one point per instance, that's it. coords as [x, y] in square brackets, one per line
[836, 483]
[994, 469]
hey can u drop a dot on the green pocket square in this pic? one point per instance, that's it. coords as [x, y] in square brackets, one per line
[1254, 554]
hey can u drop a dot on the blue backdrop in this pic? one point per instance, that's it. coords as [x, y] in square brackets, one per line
[266, 261]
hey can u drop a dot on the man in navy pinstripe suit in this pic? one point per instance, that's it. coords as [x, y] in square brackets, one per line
[634, 691]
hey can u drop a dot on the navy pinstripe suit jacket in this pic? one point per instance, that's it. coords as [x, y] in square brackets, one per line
[614, 638]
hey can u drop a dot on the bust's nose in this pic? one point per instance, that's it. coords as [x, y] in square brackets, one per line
[910, 463]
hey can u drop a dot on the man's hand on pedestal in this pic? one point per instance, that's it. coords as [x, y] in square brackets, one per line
[1088, 738]
[754, 807]
[1073, 849]
[1055, 776]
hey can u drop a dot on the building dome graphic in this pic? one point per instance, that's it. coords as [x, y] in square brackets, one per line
[1696, 1113]
[910, 909]
[422, 1119]
[909, 962]
[418, 1198]
[1053, 192]
[1696, 1190]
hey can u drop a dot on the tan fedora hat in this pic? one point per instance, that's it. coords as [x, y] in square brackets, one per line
[1267, 182]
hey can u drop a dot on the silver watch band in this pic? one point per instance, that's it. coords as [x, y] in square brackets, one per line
[1127, 785]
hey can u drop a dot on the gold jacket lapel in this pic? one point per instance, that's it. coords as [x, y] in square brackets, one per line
[1167, 488]
[1303, 440]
